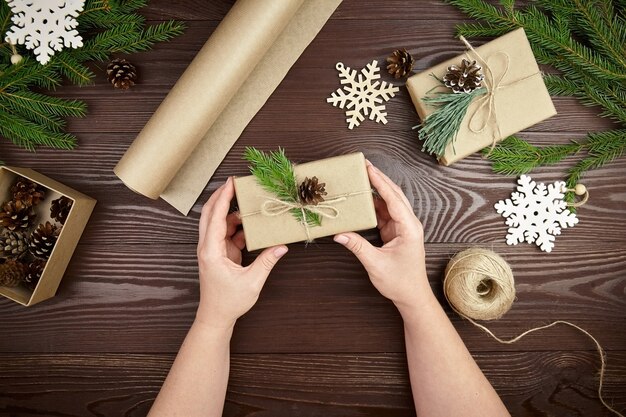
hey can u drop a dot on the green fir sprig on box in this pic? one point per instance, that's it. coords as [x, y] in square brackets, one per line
[274, 172]
[440, 128]
[31, 118]
[585, 40]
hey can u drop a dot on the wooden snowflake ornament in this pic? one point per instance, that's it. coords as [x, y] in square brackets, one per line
[45, 26]
[362, 95]
[536, 213]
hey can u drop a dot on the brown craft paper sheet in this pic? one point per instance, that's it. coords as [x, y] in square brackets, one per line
[518, 106]
[191, 132]
[342, 174]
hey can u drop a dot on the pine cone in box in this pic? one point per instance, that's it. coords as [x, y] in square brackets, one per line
[400, 63]
[43, 239]
[60, 209]
[311, 191]
[12, 244]
[33, 274]
[12, 272]
[28, 192]
[16, 216]
[465, 78]
[122, 74]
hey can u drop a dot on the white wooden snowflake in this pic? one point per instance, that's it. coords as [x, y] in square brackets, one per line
[362, 96]
[45, 26]
[536, 213]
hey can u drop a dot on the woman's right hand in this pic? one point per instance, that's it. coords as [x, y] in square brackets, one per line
[398, 268]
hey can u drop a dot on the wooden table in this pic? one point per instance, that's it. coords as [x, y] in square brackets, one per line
[321, 341]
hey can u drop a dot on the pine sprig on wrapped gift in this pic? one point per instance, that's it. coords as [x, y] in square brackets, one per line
[31, 118]
[586, 42]
[440, 128]
[274, 172]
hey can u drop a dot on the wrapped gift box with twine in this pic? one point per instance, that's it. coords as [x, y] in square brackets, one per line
[348, 204]
[515, 98]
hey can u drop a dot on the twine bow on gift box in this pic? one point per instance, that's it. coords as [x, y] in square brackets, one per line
[304, 200]
[440, 128]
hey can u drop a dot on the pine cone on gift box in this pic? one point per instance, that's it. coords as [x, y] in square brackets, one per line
[16, 216]
[60, 209]
[464, 78]
[13, 244]
[33, 273]
[12, 272]
[400, 63]
[28, 192]
[311, 191]
[121, 74]
[43, 239]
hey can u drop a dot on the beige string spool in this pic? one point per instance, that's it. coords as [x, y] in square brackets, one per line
[479, 285]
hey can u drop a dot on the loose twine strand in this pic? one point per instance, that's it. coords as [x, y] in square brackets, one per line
[479, 285]
[487, 101]
[273, 207]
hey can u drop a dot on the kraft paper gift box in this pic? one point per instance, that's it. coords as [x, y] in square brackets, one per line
[346, 180]
[68, 238]
[520, 100]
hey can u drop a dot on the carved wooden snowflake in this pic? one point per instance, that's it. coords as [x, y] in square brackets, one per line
[45, 26]
[536, 213]
[362, 96]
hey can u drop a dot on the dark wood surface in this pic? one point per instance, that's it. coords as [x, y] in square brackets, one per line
[321, 341]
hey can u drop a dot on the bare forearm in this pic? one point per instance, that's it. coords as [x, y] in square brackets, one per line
[196, 384]
[445, 379]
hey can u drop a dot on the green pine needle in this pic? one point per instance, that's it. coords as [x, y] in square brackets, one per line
[32, 118]
[441, 127]
[585, 40]
[274, 172]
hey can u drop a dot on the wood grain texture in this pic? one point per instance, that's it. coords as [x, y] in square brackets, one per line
[530, 383]
[321, 341]
[318, 299]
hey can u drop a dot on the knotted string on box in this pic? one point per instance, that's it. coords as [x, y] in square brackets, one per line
[273, 207]
[492, 85]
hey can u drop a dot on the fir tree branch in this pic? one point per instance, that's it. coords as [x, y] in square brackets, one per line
[274, 172]
[440, 127]
[514, 156]
[27, 134]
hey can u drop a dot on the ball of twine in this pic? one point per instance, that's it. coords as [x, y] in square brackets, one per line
[479, 284]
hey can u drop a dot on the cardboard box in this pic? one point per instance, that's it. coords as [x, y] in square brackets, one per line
[344, 176]
[522, 99]
[68, 238]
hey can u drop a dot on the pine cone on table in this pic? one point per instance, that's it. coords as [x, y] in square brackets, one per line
[13, 244]
[16, 216]
[400, 63]
[121, 74]
[43, 239]
[12, 272]
[28, 192]
[60, 209]
[464, 78]
[311, 191]
[33, 273]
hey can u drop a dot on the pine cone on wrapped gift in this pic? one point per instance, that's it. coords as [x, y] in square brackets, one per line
[400, 63]
[28, 192]
[16, 216]
[311, 191]
[464, 78]
[12, 244]
[121, 74]
[12, 272]
[33, 273]
[43, 239]
[60, 209]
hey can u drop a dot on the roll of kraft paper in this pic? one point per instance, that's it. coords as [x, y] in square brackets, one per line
[181, 146]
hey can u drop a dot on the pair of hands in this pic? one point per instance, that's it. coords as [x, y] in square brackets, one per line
[228, 290]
